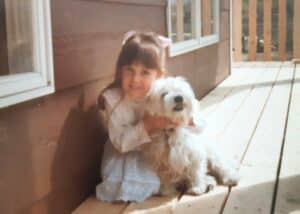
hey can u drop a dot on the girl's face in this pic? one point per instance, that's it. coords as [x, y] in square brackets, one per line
[137, 80]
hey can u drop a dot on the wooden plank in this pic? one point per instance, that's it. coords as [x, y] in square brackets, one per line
[237, 30]
[252, 30]
[206, 17]
[288, 200]
[237, 141]
[267, 29]
[226, 111]
[296, 36]
[153, 205]
[93, 206]
[282, 29]
[212, 100]
[269, 133]
[210, 202]
[261, 160]
[179, 19]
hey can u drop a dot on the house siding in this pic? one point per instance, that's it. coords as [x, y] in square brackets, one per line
[51, 147]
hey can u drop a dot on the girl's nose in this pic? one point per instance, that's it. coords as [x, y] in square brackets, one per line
[136, 77]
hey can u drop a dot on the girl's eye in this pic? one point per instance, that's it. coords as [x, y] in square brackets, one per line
[146, 72]
[128, 70]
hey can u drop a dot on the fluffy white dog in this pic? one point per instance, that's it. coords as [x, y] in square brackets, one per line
[184, 155]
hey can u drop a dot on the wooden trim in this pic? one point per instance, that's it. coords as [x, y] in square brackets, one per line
[179, 20]
[206, 17]
[296, 29]
[252, 30]
[139, 2]
[180, 46]
[237, 30]
[192, 44]
[288, 189]
[25, 86]
[193, 19]
[282, 29]
[267, 29]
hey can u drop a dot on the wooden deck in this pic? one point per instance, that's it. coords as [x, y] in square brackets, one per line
[255, 114]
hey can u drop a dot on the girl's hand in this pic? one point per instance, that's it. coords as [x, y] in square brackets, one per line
[153, 123]
[191, 122]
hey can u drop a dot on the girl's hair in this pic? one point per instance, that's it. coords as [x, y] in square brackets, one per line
[142, 47]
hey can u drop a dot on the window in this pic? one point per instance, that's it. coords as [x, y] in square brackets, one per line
[192, 24]
[26, 70]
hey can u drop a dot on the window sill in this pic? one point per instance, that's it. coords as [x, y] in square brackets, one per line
[25, 96]
[189, 46]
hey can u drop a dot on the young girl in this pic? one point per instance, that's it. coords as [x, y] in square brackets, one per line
[126, 175]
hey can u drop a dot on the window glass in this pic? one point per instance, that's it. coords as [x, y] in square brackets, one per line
[182, 20]
[17, 47]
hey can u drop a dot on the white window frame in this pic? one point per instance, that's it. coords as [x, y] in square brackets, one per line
[200, 41]
[26, 86]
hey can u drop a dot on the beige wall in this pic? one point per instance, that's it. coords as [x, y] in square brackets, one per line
[50, 148]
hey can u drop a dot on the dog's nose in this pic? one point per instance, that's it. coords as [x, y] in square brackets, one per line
[178, 99]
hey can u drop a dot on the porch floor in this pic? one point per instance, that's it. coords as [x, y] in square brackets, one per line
[256, 115]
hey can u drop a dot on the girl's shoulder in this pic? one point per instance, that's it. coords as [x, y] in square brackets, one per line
[112, 96]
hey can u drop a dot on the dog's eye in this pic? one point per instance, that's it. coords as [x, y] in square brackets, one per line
[163, 95]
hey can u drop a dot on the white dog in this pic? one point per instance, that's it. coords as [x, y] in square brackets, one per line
[184, 155]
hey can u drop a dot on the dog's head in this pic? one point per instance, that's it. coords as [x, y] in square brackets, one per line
[172, 97]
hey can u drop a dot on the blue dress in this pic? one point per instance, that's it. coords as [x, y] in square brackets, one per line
[126, 175]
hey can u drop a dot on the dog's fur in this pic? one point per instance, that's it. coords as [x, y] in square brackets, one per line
[183, 155]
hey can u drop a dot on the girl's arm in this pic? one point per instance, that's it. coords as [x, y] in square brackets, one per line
[154, 122]
[123, 135]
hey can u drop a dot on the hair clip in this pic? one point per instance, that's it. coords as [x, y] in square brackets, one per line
[127, 36]
[165, 41]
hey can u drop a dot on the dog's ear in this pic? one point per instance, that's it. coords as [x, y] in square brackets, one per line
[153, 102]
[150, 104]
[185, 85]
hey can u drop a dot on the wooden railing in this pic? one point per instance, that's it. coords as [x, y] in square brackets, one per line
[267, 32]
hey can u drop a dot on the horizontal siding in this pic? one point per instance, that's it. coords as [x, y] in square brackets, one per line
[88, 40]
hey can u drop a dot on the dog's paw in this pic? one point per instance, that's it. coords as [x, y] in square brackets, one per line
[197, 190]
[231, 179]
[211, 183]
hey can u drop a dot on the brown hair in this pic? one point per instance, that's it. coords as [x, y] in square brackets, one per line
[142, 47]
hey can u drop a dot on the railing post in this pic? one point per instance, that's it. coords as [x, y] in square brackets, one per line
[237, 30]
[282, 29]
[252, 30]
[179, 19]
[267, 30]
[296, 36]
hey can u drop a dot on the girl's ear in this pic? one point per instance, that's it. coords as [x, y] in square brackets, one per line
[161, 73]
